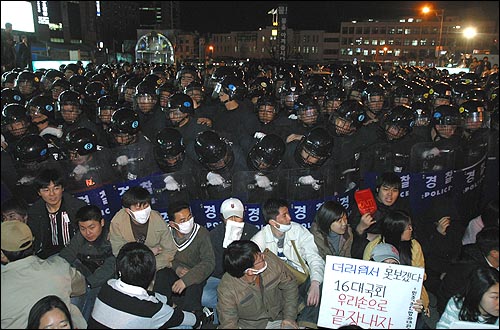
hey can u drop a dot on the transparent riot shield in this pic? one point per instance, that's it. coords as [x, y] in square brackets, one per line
[131, 162]
[306, 184]
[385, 160]
[174, 187]
[428, 157]
[255, 187]
[215, 186]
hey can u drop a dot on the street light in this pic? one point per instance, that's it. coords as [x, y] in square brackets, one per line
[439, 13]
[211, 49]
[469, 33]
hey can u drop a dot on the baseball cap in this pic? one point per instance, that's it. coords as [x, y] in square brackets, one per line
[16, 236]
[230, 207]
[385, 251]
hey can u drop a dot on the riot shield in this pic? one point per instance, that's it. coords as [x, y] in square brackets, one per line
[385, 160]
[174, 187]
[255, 187]
[130, 162]
[428, 157]
[214, 189]
[306, 184]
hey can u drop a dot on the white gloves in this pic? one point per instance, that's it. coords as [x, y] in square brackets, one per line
[430, 153]
[263, 182]
[26, 180]
[293, 116]
[259, 135]
[122, 160]
[52, 131]
[80, 170]
[308, 180]
[215, 179]
[171, 184]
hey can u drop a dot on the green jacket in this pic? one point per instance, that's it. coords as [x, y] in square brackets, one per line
[245, 305]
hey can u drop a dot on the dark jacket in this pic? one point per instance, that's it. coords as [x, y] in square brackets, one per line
[39, 223]
[95, 260]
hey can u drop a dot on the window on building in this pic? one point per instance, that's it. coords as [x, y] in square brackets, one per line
[366, 41]
[383, 30]
[406, 42]
[344, 41]
[344, 30]
[374, 42]
[358, 51]
[390, 42]
[425, 30]
[399, 30]
[414, 42]
[392, 30]
[351, 30]
[407, 31]
[365, 52]
[381, 42]
[423, 42]
[397, 42]
[366, 30]
[359, 30]
[373, 52]
[349, 51]
[375, 30]
[397, 52]
[358, 41]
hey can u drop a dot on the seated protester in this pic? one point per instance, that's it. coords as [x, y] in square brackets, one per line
[232, 228]
[89, 164]
[482, 253]
[478, 303]
[52, 217]
[387, 253]
[396, 229]
[136, 222]
[439, 231]
[332, 234]
[367, 226]
[488, 217]
[283, 238]
[193, 262]
[257, 291]
[50, 312]
[90, 252]
[125, 303]
[14, 210]
[26, 278]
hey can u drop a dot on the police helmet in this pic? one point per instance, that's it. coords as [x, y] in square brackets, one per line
[267, 154]
[82, 140]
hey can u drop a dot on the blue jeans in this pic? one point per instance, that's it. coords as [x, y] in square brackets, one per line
[209, 296]
[86, 301]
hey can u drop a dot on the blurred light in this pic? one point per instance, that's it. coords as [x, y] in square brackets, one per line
[470, 32]
[274, 32]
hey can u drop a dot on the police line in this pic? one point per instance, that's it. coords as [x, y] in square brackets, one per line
[417, 188]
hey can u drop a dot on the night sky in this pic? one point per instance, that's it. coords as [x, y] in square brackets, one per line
[222, 16]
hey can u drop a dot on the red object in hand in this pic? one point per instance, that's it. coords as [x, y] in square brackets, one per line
[366, 202]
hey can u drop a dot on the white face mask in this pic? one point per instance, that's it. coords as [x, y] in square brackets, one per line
[186, 227]
[142, 216]
[233, 232]
[257, 271]
[283, 228]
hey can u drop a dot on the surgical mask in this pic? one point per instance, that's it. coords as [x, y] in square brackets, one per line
[233, 232]
[142, 216]
[258, 271]
[283, 228]
[186, 227]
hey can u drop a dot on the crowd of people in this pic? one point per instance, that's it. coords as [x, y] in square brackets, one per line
[276, 131]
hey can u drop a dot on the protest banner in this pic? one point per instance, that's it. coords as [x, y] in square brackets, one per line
[370, 294]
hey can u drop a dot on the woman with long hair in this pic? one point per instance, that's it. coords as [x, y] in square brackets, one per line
[331, 232]
[50, 312]
[478, 303]
[397, 229]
